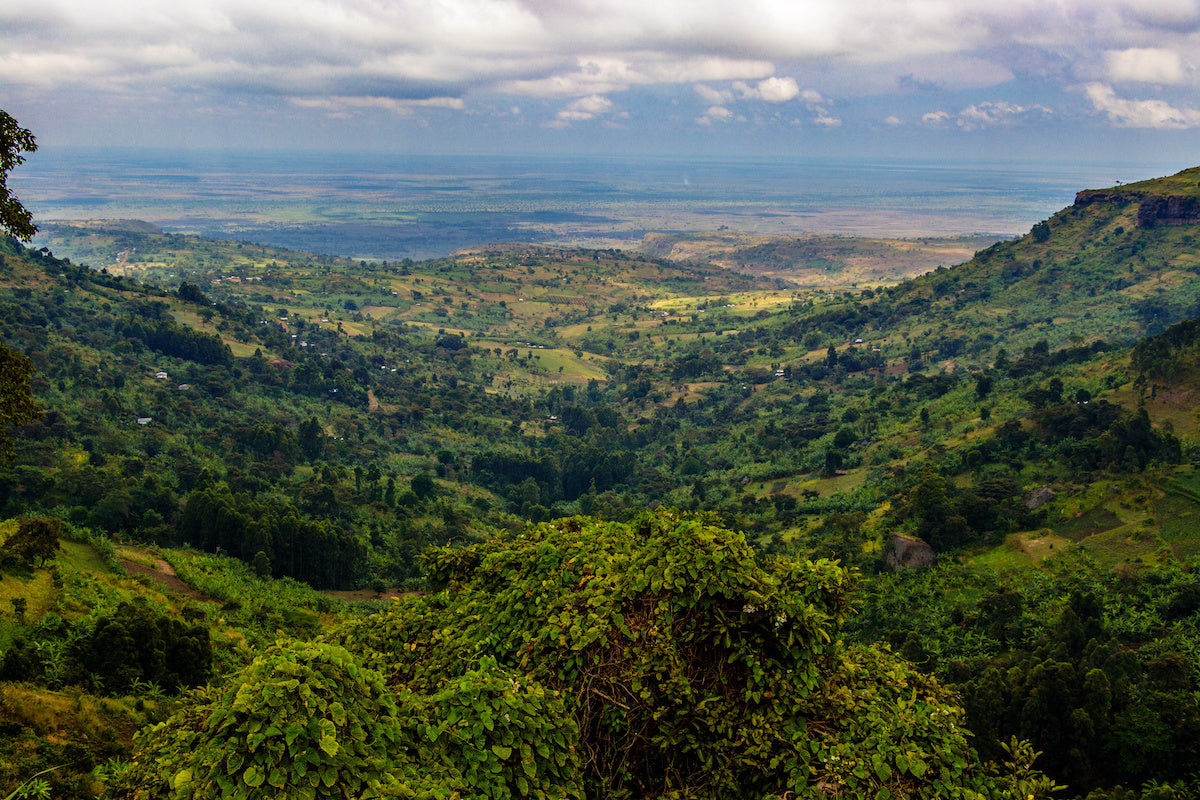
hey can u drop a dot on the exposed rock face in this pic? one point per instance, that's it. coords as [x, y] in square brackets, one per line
[1153, 209]
[907, 552]
[1039, 497]
[1089, 196]
[1174, 210]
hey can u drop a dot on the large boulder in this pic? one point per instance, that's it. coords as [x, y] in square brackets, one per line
[1039, 497]
[908, 552]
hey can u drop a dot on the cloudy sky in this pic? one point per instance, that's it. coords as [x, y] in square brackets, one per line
[1083, 80]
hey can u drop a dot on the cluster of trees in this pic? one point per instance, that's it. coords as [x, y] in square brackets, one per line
[166, 337]
[320, 553]
[115, 652]
[949, 517]
[1092, 666]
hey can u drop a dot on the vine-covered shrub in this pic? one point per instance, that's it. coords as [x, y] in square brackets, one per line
[301, 721]
[687, 667]
[492, 733]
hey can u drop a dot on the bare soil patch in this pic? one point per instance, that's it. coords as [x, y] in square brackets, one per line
[162, 573]
[366, 594]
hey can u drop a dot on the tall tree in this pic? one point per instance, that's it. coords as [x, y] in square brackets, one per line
[15, 220]
[16, 403]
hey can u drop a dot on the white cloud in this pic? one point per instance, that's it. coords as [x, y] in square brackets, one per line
[341, 105]
[1124, 113]
[711, 95]
[986, 115]
[592, 74]
[560, 46]
[893, 121]
[583, 109]
[592, 105]
[1145, 65]
[715, 114]
[770, 90]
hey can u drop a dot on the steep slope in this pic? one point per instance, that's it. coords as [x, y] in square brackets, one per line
[1118, 264]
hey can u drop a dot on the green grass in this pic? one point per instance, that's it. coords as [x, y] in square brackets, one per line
[1021, 551]
[1089, 523]
[1129, 542]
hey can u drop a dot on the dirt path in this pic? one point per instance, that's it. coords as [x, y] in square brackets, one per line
[372, 403]
[164, 574]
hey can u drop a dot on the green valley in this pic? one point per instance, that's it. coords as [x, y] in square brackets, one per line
[583, 473]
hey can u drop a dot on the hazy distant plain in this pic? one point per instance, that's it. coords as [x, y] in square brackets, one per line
[379, 206]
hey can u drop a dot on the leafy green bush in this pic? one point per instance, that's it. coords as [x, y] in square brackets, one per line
[688, 667]
[112, 651]
[302, 721]
[496, 732]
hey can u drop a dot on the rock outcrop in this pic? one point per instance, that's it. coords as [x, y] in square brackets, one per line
[1039, 497]
[1152, 209]
[908, 552]
[1173, 210]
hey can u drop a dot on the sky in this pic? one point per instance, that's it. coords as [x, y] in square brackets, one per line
[1022, 80]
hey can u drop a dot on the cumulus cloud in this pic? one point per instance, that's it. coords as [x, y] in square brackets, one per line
[531, 42]
[715, 96]
[344, 105]
[1145, 65]
[770, 90]
[1140, 113]
[583, 109]
[774, 90]
[986, 115]
[596, 73]
[715, 114]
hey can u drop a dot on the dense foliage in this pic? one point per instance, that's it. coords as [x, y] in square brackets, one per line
[690, 668]
[1098, 670]
[15, 219]
[302, 721]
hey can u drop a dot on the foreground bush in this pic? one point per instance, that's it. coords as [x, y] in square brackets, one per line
[302, 721]
[688, 667]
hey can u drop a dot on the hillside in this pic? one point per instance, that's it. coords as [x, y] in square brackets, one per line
[1028, 414]
[1104, 268]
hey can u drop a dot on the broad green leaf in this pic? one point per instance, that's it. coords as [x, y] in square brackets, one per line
[182, 778]
[254, 776]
